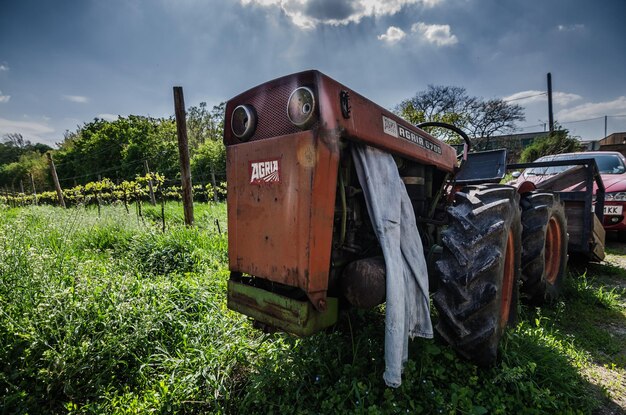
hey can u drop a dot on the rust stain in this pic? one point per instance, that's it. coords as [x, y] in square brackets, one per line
[282, 230]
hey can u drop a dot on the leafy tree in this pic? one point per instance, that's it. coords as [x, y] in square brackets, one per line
[209, 162]
[117, 149]
[204, 125]
[557, 142]
[205, 130]
[481, 119]
[19, 159]
[16, 140]
[9, 153]
[153, 140]
[12, 173]
[14, 145]
[29, 163]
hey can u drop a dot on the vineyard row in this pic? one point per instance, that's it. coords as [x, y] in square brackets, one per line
[105, 191]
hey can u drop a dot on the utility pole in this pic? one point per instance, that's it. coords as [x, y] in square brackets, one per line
[183, 152]
[55, 178]
[550, 116]
[605, 123]
[152, 199]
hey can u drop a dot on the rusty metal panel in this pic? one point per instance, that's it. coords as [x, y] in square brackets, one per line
[366, 122]
[282, 181]
[293, 316]
[378, 127]
[281, 202]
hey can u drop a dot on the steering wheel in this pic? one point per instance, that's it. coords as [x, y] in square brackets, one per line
[468, 143]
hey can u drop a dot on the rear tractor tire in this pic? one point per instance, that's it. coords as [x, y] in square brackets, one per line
[544, 247]
[479, 270]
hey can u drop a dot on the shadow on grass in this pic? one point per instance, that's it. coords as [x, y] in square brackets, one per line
[340, 371]
[591, 312]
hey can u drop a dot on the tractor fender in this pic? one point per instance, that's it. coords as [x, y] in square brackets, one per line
[525, 187]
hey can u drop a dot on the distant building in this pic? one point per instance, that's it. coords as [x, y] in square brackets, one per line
[614, 142]
[514, 143]
[521, 140]
[592, 145]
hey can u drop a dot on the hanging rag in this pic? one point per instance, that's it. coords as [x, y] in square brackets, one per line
[391, 212]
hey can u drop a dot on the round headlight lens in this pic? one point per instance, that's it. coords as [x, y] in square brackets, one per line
[243, 122]
[301, 107]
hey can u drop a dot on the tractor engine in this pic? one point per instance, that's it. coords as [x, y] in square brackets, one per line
[300, 241]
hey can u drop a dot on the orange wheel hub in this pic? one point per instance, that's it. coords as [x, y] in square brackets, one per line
[508, 279]
[553, 250]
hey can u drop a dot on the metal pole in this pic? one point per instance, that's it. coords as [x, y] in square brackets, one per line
[605, 123]
[183, 152]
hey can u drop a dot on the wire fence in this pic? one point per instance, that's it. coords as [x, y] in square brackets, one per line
[106, 191]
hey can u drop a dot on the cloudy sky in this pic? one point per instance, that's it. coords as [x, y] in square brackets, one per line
[65, 62]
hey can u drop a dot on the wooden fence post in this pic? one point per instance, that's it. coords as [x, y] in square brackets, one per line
[214, 183]
[55, 178]
[32, 183]
[183, 152]
[152, 199]
[22, 194]
[98, 193]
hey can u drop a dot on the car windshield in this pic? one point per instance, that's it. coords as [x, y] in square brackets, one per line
[607, 164]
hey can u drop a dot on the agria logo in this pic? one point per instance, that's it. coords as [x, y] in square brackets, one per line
[267, 171]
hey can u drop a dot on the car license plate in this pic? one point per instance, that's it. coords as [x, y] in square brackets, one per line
[613, 210]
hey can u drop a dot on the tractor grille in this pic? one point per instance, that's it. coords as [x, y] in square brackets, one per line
[271, 108]
[270, 104]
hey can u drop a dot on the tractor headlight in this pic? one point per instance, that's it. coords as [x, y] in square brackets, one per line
[301, 107]
[615, 196]
[243, 122]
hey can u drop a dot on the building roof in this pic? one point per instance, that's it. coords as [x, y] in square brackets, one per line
[613, 139]
[518, 136]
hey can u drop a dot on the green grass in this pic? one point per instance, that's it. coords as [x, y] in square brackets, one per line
[110, 315]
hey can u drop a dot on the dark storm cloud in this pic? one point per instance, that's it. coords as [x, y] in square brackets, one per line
[126, 56]
[330, 9]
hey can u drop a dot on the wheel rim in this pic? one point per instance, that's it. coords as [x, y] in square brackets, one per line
[508, 279]
[553, 250]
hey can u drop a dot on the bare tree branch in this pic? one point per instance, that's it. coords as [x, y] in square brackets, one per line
[481, 119]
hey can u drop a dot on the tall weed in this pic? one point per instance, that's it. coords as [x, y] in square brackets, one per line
[111, 315]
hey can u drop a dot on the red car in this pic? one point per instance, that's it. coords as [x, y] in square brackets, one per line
[612, 167]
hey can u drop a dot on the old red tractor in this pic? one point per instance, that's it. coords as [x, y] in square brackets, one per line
[301, 239]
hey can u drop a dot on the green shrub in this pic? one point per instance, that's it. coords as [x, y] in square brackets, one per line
[556, 142]
[101, 238]
[180, 250]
